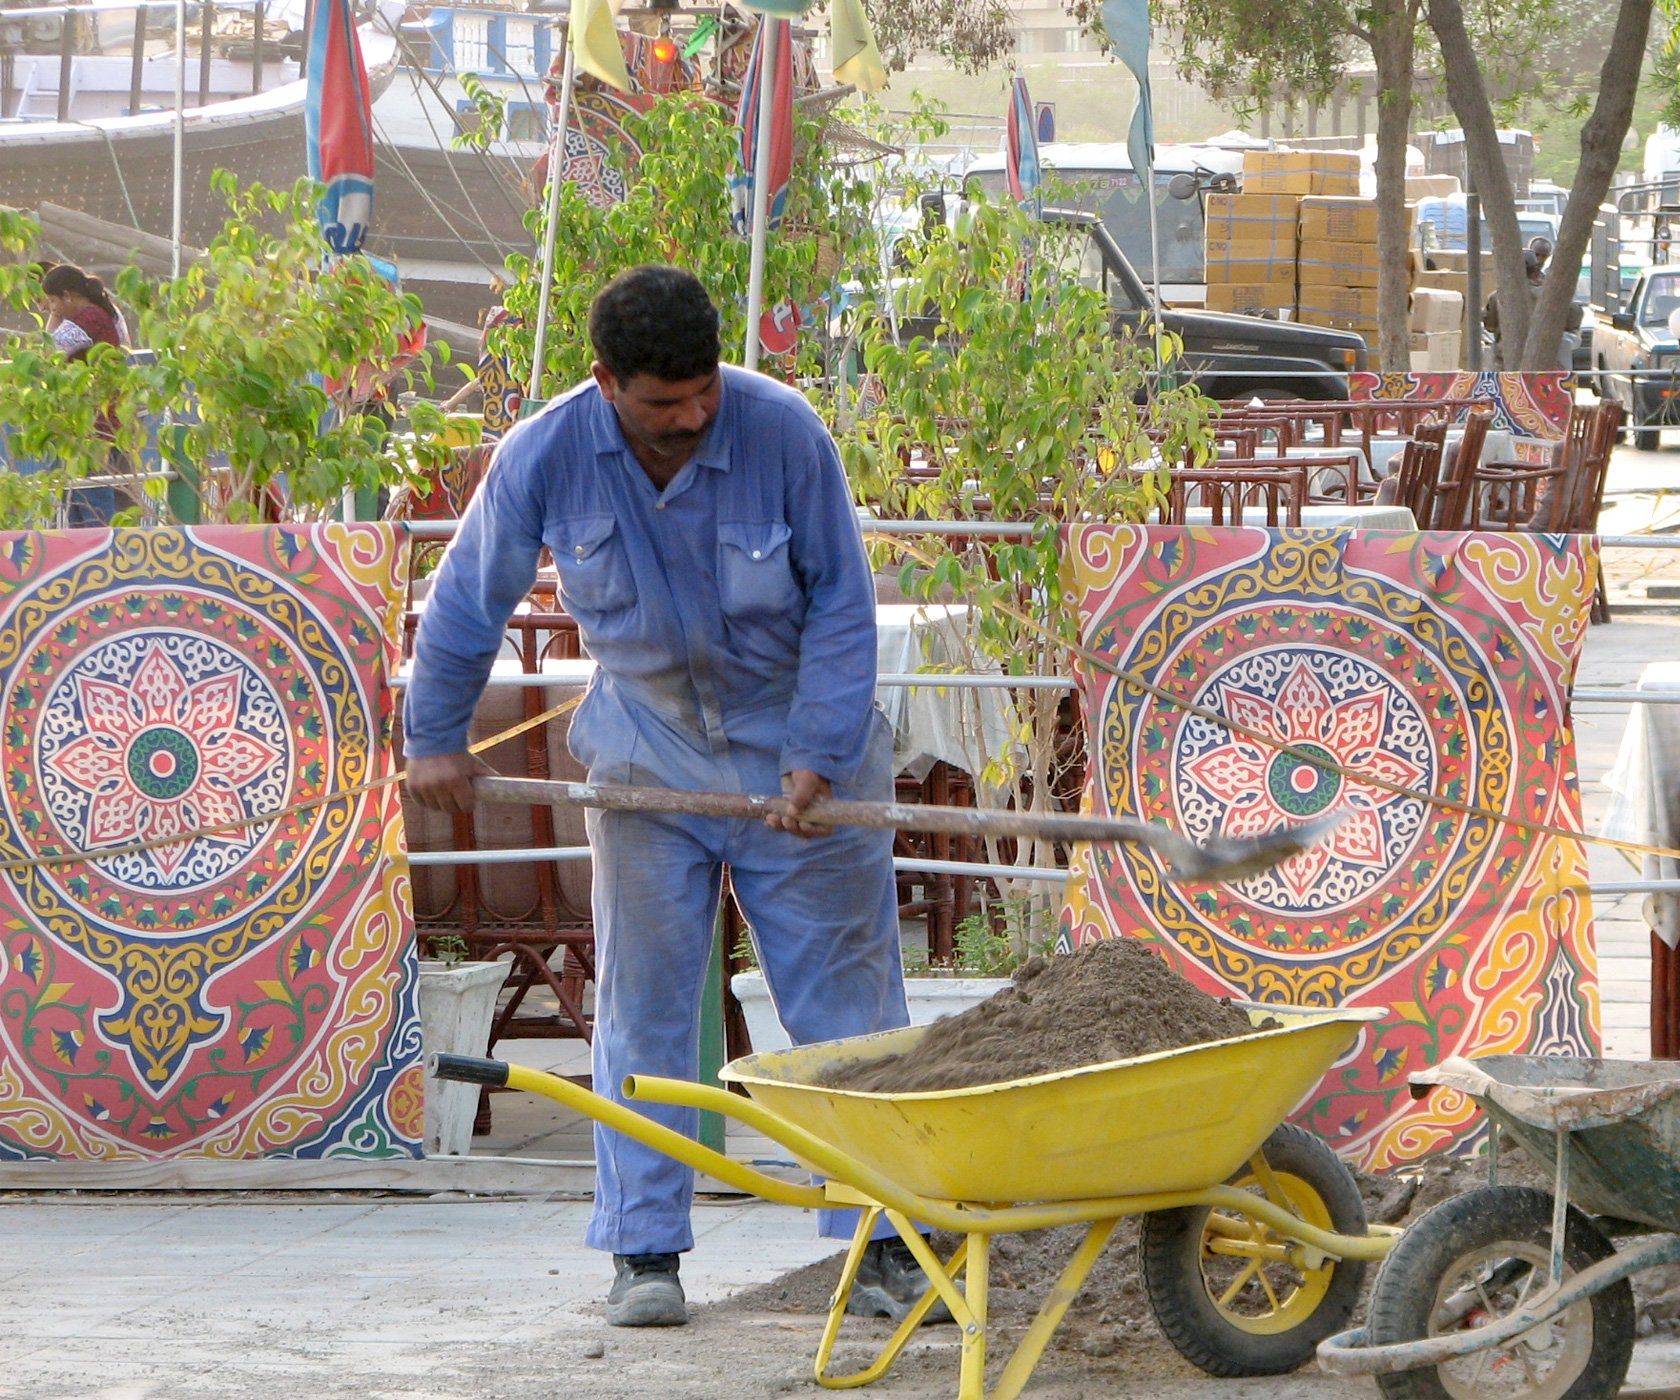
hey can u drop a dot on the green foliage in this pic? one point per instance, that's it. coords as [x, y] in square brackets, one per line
[677, 211]
[994, 942]
[1024, 405]
[281, 357]
[450, 949]
[50, 407]
[491, 109]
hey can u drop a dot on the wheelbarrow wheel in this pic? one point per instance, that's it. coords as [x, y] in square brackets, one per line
[1474, 1259]
[1227, 1291]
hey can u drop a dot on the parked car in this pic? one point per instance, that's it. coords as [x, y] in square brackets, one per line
[1226, 355]
[1638, 355]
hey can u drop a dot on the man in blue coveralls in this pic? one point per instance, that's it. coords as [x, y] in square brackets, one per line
[708, 547]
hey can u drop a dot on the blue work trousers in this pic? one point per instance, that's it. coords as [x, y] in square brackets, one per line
[824, 918]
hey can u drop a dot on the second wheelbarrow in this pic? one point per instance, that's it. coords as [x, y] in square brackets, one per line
[1506, 1292]
[1253, 1237]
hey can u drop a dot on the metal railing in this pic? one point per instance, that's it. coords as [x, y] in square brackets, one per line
[976, 681]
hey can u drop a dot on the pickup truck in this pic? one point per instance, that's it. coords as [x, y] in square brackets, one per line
[1226, 356]
[1638, 355]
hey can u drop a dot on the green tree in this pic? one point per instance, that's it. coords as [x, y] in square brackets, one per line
[677, 210]
[1023, 406]
[265, 358]
[1534, 339]
[53, 411]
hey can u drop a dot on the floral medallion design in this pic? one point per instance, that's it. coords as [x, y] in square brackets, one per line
[224, 965]
[1299, 673]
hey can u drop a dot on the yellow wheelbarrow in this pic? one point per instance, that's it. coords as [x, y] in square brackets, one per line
[1253, 1238]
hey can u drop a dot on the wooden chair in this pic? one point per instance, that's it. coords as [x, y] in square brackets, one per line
[1420, 470]
[1451, 500]
[1564, 498]
[1230, 491]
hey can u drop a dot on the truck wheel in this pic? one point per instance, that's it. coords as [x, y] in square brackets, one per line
[1219, 1291]
[1476, 1258]
[1647, 439]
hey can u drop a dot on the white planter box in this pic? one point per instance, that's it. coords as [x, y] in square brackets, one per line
[457, 1005]
[930, 998]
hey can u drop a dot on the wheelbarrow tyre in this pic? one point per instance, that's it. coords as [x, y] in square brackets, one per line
[1221, 1339]
[1446, 1239]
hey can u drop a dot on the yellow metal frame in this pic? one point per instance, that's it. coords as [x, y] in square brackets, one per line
[853, 1183]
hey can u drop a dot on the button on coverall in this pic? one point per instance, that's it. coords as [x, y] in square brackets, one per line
[732, 619]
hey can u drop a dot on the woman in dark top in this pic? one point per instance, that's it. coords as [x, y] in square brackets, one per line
[80, 315]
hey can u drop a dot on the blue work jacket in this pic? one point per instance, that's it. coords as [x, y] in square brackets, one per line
[736, 605]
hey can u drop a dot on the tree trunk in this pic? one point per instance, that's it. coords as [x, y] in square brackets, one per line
[1601, 149]
[1468, 95]
[1393, 30]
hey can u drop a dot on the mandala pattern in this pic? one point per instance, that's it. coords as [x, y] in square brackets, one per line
[236, 977]
[1334, 670]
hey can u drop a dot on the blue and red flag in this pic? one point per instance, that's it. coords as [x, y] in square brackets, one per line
[338, 121]
[1020, 165]
[781, 131]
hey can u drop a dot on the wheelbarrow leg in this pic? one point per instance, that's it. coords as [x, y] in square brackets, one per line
[968, 1312]
[1027, 1352]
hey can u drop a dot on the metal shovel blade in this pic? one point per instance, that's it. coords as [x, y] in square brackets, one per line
[1222, 859]
[1217, 859]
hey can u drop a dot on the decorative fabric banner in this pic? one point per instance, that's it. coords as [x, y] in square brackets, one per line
[1532, 405]
[780, 156]
[1440, 663]
[338, 125]
[245, 993]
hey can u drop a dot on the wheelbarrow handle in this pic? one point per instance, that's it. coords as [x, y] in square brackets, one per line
[468, 1069]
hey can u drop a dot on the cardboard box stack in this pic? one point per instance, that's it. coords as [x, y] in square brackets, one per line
[1301, 172]
[1337, 263]
[1431, 187]
[1437, 326]
[1251, 252]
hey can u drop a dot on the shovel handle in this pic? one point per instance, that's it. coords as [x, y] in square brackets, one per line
[895, 816]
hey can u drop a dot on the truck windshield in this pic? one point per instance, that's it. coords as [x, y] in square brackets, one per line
[1117, 197]
[1662, 296]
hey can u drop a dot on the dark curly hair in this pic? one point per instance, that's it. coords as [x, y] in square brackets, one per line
[655, 320]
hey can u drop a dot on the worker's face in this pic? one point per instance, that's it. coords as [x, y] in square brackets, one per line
[57, 304]
[667, 416]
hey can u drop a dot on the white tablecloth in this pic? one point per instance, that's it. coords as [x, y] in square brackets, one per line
[967, 728]
[1645, 793]
[1499, 446]
[1356, 517]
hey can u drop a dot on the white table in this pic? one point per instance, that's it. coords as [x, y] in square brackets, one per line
[1645, 793]
[1367, 517]
[966, 728]
[1499, 446]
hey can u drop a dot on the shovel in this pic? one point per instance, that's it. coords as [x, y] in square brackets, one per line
[1218, 859]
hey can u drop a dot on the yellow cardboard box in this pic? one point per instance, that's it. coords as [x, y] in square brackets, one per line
[1253, 218]
[1249, 262]
[1301, 172]
[1326, 263]
[1249, 297]
[1339, 217]
[1323, 300]
[1431, 187]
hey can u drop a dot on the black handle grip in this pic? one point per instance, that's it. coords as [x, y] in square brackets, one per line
[471, 1069]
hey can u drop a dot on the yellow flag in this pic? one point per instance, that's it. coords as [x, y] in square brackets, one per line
[594, 39]
[856, 59]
